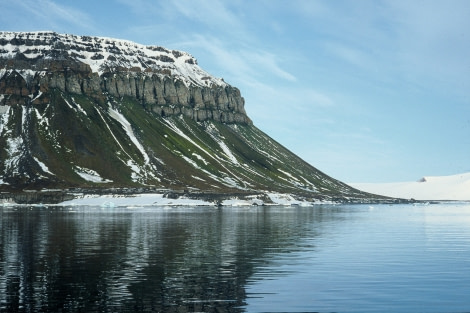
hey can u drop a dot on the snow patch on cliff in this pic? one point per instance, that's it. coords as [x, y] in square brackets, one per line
[130, 133]
[103, 54]
[43, 166]
[90, 175]
[14, 151]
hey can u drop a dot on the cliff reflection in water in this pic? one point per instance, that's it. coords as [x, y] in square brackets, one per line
[90, 259]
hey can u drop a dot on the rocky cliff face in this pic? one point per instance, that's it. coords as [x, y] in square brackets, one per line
[86, 112]
[166, 82]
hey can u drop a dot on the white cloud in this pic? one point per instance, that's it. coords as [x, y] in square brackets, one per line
[422, 42]
[243, 63]
[214, 13]
[266, 62]
[317, 98]
[349, 54]
[46, 12]
[433, 41]
[202, 15]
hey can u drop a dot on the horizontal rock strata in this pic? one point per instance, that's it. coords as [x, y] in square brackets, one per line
[31, 65]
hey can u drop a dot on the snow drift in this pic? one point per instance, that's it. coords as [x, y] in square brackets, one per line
[453, 187]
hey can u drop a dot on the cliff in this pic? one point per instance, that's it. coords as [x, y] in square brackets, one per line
[166, 82]
[101, 113]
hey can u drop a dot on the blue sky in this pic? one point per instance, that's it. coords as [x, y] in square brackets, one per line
[366, 91]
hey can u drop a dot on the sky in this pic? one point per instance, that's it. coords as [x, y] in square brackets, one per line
[365, 91]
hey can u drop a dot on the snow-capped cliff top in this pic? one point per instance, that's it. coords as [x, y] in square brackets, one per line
[105, 54]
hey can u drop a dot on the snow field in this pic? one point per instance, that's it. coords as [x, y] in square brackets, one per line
[453, 187]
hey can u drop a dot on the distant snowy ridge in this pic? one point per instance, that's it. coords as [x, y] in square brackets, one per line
[453, 187]
[106, 54]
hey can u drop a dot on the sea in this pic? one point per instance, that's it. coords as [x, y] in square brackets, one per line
[323, 258]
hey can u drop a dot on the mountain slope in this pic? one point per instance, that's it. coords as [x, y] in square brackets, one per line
[99, 113]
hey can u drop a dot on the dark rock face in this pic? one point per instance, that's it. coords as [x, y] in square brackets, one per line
[163, 95]
[167, 97]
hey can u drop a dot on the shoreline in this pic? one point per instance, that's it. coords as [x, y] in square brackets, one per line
[117, 197]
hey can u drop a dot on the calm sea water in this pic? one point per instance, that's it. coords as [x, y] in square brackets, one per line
[399, 258]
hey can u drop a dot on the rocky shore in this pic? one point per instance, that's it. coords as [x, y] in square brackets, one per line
[57, 196]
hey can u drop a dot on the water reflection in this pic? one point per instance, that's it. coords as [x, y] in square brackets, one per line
[106, 260]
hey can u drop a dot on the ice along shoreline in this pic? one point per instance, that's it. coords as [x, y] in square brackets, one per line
[118, 197]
